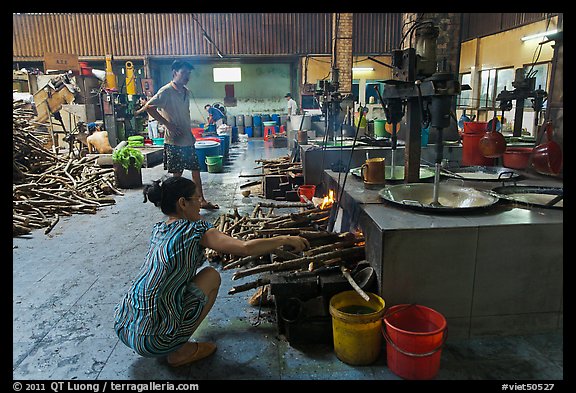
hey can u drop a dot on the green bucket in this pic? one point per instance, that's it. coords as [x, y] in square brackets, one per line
[380, 128]
[214, 164]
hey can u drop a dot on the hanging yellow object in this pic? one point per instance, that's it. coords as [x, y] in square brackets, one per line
[110, 77]
[130, 79]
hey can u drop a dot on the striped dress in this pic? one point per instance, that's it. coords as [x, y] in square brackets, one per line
[158, 313]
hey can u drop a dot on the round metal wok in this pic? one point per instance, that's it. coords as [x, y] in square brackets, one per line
[451, 198]
[425, 172]
[482, 173]
[532, 195]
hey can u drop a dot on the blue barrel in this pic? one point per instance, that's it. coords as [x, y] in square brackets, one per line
[206, 149]
[224, 144]
[276, 117]
[249, 131]
[265, 117]
[257, 121]
[234, 134]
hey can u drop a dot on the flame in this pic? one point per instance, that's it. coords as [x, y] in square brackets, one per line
[328, 200]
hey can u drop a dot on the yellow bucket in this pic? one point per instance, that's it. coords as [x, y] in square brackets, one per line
[356, 327]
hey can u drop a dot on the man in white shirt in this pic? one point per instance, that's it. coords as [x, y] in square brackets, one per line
[292, 106]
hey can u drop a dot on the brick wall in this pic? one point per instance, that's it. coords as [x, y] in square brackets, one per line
[342, 33]
[448, 42]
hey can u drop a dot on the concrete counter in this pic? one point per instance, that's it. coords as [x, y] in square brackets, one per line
[497, 270]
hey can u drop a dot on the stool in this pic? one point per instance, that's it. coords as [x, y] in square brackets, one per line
[282, 130]
[269, 130]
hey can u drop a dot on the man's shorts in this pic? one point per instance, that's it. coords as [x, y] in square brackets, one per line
[178, 158]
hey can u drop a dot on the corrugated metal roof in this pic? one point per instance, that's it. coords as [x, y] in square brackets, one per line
[234, 34]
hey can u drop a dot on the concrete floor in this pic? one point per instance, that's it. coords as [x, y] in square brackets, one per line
[66, 284]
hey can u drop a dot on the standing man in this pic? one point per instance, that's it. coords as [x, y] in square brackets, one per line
[292, 106]
[215, 116]
[152, 122]
[170, 106]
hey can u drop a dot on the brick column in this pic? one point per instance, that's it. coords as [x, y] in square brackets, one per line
[448, 42]
[342, 49]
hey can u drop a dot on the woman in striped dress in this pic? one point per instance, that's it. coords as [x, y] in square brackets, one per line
[169, 297]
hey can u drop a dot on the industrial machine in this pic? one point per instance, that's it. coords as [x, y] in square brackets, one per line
[332, 103]
[524, 88]
[118, 110]
[423, 89]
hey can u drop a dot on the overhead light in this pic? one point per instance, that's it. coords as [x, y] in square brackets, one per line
[533, 36]
[362, 68]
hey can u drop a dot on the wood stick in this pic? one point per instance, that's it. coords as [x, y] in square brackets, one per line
[282, 231]
[284, 205]
[334, 246]
[250, 184]
[299, 263]
[240, 262]
[346, 273]
[249, 285]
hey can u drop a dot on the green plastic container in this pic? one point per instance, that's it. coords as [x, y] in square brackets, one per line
[380, 128]
[214, 164]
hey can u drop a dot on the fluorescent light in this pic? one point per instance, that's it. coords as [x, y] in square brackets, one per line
[533, 36]
[362, 69]
[230, 74]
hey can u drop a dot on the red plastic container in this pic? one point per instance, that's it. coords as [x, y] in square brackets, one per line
[517, 157]
[414, 337]
[84, 68]
[308, 191]
[471, 154]
[197, 132]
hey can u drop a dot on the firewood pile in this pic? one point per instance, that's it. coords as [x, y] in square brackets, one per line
[280, 178]
[279, 166]
[46, 185]
[326, 248]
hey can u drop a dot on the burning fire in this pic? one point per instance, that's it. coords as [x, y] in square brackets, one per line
[360, 236]
[328, 200]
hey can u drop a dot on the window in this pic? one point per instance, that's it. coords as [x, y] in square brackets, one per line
[492, 82]
[230, 74]
[465, 97]
[356, 91]
[504, 79]
[487, 79]
[540, 72]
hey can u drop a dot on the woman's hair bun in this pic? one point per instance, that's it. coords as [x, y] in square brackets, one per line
[153, 193]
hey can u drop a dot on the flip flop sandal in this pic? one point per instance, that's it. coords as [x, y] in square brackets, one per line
[203, 350]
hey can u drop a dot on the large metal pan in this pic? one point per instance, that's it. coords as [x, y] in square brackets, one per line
[531, 195]
[482, 173]
[451, 198]
[425, 173]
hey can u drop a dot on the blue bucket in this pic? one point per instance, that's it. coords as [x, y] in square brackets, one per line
[249, 131]
[224, 144]
[424, 136]
[205, 149]
[257, 121]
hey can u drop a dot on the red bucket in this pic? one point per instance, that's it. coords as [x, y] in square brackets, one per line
[471, 154]
[308, 191]
[414, 337]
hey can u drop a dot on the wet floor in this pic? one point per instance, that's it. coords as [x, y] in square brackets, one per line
[67, 283]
